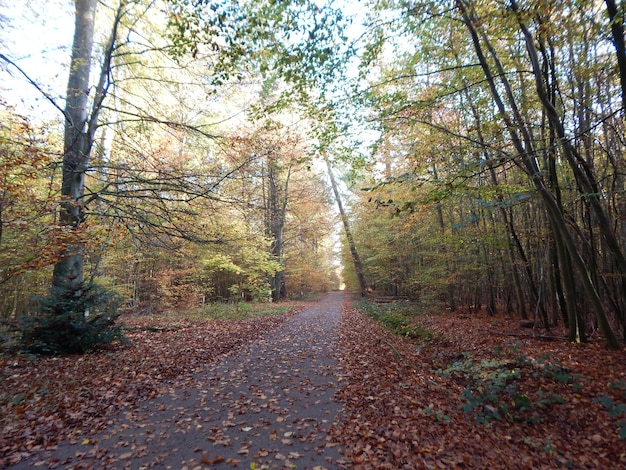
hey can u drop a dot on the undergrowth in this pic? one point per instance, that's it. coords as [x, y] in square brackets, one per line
[492, 387]
[616, 405]
[397, 317]
[233, 311]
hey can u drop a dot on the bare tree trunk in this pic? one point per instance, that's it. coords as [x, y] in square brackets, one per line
[276, 225]
[80, 128]
[358, 266]
[617, 30]
[68, 271]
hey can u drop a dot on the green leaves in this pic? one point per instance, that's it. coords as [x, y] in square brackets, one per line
[397, 317]
[300, 40]
[72, 321]
[491, 389]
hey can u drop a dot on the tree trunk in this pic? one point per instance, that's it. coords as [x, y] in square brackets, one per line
[276, 224]
[526, 152]
[358, 266]
[617, 30]
[68, 271]
[80, 128]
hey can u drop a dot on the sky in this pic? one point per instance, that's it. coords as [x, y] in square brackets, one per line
[36, 35]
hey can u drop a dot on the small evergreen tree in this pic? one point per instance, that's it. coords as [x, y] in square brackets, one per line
[72, 321]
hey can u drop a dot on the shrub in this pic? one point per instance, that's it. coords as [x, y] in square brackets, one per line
[72, 321]
[396, 317]
[491, 388]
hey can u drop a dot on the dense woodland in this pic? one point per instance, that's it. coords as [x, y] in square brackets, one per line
[478, 147]
[460, 164]
[190, 192]
[500, 160]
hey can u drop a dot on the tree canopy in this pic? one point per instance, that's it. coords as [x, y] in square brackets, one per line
[479, 146]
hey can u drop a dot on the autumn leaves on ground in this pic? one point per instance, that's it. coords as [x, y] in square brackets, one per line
[454, 392]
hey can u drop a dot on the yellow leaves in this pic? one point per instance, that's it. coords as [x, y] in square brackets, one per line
[207, 460]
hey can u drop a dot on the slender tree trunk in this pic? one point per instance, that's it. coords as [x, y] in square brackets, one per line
[526, 152]
[617, 30]
[358, 266]
[575, 324]
[451, 285]
[276, 225]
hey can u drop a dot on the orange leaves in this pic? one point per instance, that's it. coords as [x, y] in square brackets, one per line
[207, 460]
[26, 197]
[404, 415]
[45, 400]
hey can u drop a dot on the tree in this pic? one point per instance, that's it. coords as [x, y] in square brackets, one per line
[27, 242]
[80, 128]
[356, 259]
[525, 148]
[541, 179]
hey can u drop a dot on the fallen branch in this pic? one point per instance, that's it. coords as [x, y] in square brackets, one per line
[395, 350]
[526, 335]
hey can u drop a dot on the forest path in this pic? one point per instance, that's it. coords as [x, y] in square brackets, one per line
[267, 405]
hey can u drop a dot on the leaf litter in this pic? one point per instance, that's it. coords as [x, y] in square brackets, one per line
[310, 392]
[405, 399]
[255, 393]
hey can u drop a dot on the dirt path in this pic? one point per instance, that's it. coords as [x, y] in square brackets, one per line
[268, 405]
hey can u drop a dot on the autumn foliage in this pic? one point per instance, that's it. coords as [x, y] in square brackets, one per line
[408, 400]
[46, 400]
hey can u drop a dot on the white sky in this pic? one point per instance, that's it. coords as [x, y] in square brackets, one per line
[36, 35]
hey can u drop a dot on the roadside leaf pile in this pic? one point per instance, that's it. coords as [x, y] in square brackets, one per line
[45, 400]
[474, 397]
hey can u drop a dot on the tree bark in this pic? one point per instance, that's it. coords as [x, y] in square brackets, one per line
[68, 271]
[358, 266]
[617, 30]
[276, 225]
[80, 129]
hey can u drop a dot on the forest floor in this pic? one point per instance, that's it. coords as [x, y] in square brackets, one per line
[471, 392]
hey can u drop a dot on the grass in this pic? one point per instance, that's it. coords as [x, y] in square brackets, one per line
[396, 317]
[233, 311]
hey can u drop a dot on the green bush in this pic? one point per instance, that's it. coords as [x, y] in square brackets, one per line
[491, 389]
[488, 381]
[72, 321]
[396, 317]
